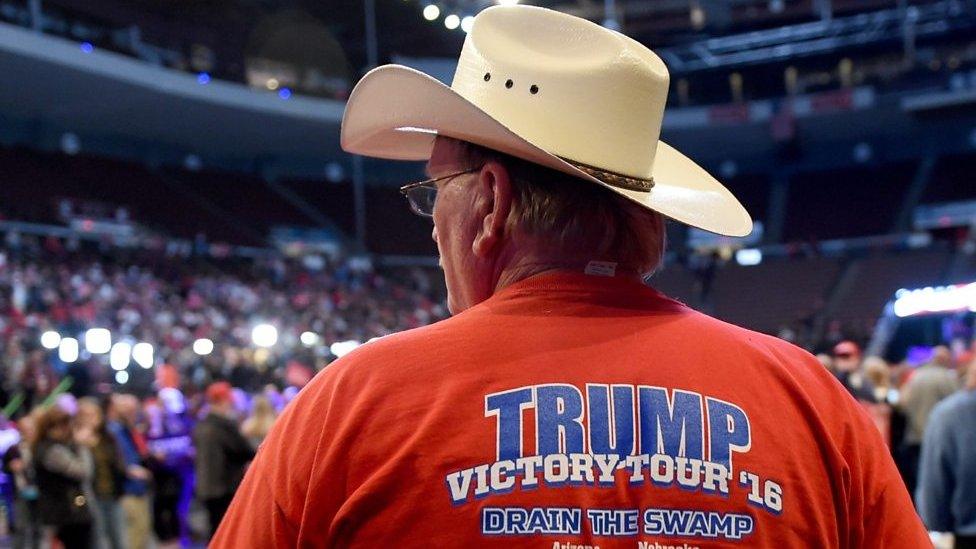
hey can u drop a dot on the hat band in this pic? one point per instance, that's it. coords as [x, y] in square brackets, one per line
[615, 179]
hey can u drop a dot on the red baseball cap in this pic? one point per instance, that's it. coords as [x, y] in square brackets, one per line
[847, 348]
[220, 391]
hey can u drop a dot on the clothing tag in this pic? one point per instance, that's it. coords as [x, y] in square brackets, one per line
[601, 268]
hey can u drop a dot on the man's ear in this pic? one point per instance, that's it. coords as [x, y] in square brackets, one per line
[495, 188]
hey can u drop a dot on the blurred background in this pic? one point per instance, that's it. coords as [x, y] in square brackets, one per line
[175, 210]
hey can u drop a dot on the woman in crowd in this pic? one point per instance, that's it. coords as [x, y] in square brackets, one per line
[63, 463]
[108, 474]
[258, 424]
[17, 464]
[878, 374]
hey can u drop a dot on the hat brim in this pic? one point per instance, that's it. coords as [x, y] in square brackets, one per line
[396, 112]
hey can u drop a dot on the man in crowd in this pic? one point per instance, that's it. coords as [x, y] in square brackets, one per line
[928, 385]
[847, 363]
[946, 493]
[566, 403]
[121, 413]
[222, 452]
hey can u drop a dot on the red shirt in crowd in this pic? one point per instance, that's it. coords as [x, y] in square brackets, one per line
[572, 411]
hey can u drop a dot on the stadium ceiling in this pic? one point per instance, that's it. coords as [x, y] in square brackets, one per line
[120, 105]
[54, 88]
[694, 34]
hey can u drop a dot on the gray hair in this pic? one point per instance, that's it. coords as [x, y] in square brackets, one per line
[576, 216]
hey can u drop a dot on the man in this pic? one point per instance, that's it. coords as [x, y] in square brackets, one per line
[947, 475]
[927, 385]
[566, 404]
[222, 452]
[121, 413]
[847, 362]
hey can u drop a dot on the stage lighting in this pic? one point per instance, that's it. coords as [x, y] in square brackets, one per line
[452, 22]
[203, 78]
[507, 2]
[203, 346]
[272, 84]
[697, 17]
[309, 338]
[68, 350]
[431, 12]
[938, 299]
[118, 357]
[466, 23]
[50, 339]
[192, 162]
[862, 152]
[87, 47]
[334, 172]
[342, 348]
[142, 353]
[122, 377]
[264, 335]
[748, 257]
[70, 143]
[284, 93]
[98, 341]
[728, 169]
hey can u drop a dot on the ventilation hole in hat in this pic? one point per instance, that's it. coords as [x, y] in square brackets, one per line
[509, 83]
[487, 76]
[533, 89]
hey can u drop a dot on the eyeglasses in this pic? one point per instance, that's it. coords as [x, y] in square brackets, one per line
[423, 194]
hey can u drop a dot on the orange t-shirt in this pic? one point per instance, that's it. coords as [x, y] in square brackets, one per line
[572, 411]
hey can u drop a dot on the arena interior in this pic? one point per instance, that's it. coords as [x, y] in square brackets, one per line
[176, 211]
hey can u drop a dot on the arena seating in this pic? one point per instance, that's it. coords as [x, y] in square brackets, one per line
[952, 179]
[391, 228]
[880, 275]
[870, 199]
[242, 209]
[677, 282]
[741, 296]
[225, 207]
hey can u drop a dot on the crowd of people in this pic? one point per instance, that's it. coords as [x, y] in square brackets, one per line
[56, 285]
[924, 413]
[96, 462]
[123, 472]
[141, 455]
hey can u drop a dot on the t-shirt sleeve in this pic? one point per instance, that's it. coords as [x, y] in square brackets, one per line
[892, 522]
[254, 518]
[296, 484]
[880, 508]
[873, 509]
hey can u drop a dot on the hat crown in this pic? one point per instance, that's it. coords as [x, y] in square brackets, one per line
[567, 85]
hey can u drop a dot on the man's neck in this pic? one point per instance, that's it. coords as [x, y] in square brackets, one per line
[528, 267]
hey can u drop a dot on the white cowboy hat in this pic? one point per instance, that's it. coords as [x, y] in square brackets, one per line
[552, 89]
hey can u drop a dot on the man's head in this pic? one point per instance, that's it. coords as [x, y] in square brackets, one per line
[847, 356]
[220, 397]
[123, 408]
[509, 219]
[89, 413]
